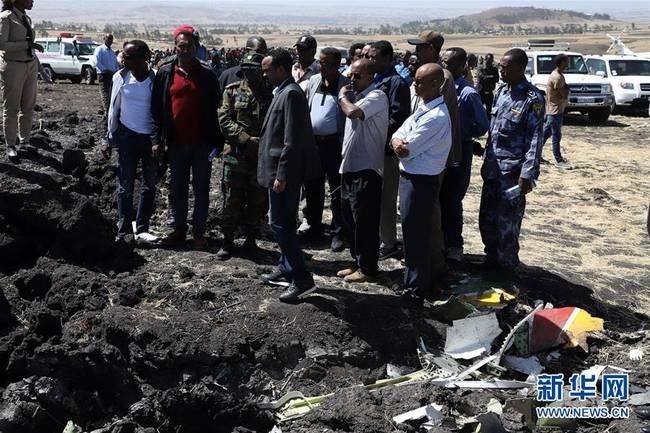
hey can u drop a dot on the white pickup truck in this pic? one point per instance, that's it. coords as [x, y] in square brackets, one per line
[69, 56]
[589, 94]
[629, 76]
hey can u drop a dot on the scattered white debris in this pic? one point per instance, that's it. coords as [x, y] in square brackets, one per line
[471, 337]
[71, 427]
[495, 406]
[639, 399]
[393, 371]
[530, 366]
[636, 354]
[431, 411]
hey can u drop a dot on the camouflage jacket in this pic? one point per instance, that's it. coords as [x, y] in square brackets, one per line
[516, 136]
[241, 116]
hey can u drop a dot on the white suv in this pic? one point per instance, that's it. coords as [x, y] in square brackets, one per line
[589, 94]
[69, 56]
[629, 77]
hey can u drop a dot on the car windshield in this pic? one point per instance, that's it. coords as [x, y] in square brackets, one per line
[545, 65]
[86, 49]
[630, 67]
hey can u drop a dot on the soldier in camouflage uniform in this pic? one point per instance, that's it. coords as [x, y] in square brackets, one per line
[241, 115]
[512, 158]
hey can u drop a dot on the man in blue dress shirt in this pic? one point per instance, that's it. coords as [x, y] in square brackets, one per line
[106, 65]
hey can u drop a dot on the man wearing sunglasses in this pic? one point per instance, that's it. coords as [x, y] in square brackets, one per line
[366, 127]
[328, 122]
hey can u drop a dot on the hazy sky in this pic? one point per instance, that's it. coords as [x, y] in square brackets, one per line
[620, 9]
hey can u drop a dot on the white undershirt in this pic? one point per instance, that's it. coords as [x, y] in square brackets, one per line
[135, 104]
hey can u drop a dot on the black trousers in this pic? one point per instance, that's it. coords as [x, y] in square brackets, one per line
[329, 148]
[487, 98]
[361, 206]
[417, 199]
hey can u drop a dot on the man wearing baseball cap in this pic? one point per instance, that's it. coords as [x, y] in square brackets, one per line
[427, 49]
[307, 65]
[255, 44]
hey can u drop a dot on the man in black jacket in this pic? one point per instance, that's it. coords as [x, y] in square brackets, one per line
[184, 104]
[399, 97]
[287, 156]
[487, 77]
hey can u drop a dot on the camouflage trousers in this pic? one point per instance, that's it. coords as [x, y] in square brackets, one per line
[500, 221]
[245, 203]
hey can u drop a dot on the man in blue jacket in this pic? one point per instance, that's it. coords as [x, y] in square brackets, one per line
[473, 123]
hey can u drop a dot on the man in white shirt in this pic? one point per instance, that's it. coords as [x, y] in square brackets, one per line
[129, 129]
[307, 65]
[422, 145]
[364, 143]
[106, 64]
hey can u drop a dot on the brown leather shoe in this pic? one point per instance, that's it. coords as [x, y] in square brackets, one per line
[199, 242]
[345, 272]
[359, 277]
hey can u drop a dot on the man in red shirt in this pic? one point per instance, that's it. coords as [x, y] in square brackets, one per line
[184, 104]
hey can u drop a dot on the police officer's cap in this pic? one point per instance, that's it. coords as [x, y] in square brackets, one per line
[252, 62]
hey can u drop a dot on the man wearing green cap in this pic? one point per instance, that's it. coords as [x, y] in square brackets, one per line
[242, 112]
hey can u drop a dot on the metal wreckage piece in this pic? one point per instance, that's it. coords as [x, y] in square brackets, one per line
[439, 369]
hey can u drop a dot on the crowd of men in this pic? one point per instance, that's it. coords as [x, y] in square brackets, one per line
[285, 125]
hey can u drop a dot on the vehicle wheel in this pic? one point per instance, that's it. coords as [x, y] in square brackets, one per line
[75, 80]
[599, 117]
[88, 76]
[48, 70]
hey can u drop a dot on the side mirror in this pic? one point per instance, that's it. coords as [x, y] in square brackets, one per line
[601, 74]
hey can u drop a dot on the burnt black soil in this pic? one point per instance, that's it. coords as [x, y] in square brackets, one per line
[158, 340]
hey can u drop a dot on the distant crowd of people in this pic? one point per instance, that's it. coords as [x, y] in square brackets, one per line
[382, 130]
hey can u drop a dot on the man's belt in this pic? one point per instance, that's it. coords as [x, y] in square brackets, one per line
[325, 138]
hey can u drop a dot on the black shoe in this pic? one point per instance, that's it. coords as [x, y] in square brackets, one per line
[250, 244]
[643, 412]
[275, 278]
[225, 252]
[337, 244]
[489, 265]
[386, 253]
[410, 299]
[311, 235]
[294, 292]
[645, 429]
[12, 154]
[501, 275]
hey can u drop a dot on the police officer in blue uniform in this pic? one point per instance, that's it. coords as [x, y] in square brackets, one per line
[512, 158]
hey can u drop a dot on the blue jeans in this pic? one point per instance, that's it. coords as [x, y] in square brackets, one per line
[183, 160]
[133, 148]
[454, 187]
[553, 128]
[284, 207]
